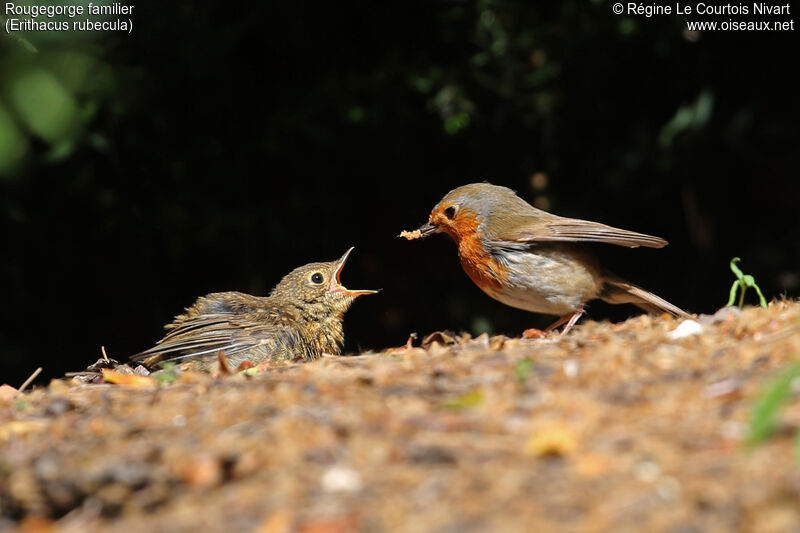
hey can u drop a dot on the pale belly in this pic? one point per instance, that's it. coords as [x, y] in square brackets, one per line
[555, 281]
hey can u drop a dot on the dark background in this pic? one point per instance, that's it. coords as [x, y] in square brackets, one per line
[216, 149]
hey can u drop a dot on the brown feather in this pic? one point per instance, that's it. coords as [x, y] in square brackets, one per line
[617, 291]
[533, 229]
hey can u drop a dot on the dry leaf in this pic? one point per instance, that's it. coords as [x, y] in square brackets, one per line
[554, 440]
[442, 337]
[223, 363]
[133, 380]
[408, 345]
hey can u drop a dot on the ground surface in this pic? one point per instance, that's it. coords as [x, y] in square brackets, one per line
[612, 428]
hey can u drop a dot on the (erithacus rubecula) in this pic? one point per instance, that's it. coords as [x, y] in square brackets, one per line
[534, 260]
[300, 319]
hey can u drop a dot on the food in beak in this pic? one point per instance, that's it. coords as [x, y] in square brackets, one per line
[411, 235]
[424, 230]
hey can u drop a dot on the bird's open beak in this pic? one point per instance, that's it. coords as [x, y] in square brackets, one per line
[428, 229]
[336, 284]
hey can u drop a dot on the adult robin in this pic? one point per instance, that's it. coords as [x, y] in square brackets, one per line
[534, 260]
[300, 319]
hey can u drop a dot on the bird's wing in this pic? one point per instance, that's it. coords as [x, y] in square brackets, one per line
[205, 335]
[559, 229]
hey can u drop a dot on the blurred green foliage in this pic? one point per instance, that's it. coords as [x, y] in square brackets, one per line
[523, 370]
[688, 117]
[52, 86]
[467, 400]
[767, 407]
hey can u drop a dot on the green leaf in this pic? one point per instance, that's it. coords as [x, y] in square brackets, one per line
[523, 370]
[13, 144]
[43, 104]
[763, 420]
[743, 282]
[464, 401]
[736, 271]
[689, 117]
[15, 36]
[165, 376]
[456, 123]
[796, 446]
[732, 298]
[761, 300]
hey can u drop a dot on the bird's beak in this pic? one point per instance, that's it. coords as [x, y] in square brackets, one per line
[428, 229]
[336, 284]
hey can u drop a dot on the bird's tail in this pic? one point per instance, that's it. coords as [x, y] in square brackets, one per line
[619, 291]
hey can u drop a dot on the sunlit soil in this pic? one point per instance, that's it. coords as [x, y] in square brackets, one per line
[637, 426]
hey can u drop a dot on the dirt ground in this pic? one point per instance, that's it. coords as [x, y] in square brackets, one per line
[623, 427]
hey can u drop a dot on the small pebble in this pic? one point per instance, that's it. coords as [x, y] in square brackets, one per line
[668, 488]
[733, 430]
[341, 479]
[720, 315]
[686, 328]
[647, 470]
[571, 368]
[58, 406]
[727, 387]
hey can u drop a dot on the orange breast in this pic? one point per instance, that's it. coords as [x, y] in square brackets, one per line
[480, 266]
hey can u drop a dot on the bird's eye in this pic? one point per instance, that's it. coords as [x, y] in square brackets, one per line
[450, 212]
[317, 278]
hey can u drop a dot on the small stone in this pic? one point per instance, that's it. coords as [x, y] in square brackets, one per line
[341, 479]
[720, 315]
[647, 470]
[686, 328]
[727, 388]
[571, 368]
[58, 406]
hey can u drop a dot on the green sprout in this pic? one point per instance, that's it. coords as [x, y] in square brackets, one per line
[743, 282]
[168, 372]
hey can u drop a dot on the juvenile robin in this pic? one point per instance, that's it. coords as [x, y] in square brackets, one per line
[534, 260]
[300, 319]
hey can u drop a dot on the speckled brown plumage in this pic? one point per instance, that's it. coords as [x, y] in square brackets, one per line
[300, 319]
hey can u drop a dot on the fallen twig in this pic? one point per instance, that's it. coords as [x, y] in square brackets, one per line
[30, 379]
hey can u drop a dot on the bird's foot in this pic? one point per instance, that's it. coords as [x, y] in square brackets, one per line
[533, 333]
[569, 319]
[244, 365]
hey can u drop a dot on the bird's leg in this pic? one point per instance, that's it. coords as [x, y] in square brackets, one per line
[570, 320]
